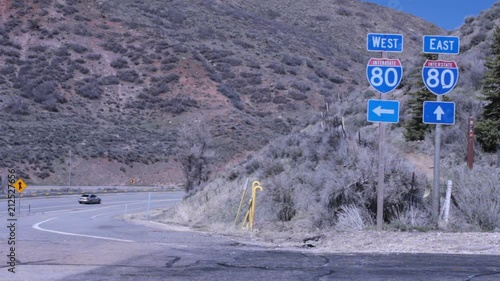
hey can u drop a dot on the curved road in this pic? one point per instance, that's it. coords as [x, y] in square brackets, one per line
[62, 240]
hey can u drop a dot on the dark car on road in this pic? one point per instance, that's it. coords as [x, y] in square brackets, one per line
[89, 199]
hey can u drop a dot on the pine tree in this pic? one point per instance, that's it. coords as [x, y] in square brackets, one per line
[415, 129]
[488, 129]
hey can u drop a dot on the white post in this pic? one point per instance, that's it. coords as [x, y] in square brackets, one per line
[125, 212]
[69, 168]
[149, 203]
[447, 203]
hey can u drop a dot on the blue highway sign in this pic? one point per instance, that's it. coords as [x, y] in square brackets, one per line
[384, 74]
[441, 45]
[376, 42]
[440, 76]
[437, 112]
[386, 111]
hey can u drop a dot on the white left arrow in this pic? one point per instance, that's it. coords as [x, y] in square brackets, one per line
[379, 111]
[439, 113]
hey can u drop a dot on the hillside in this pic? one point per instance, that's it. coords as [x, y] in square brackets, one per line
[102, 87]
[322, 176]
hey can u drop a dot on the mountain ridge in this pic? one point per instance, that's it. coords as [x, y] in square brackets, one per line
[113, 80]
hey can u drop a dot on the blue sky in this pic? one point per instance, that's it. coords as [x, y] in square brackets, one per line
[447, 14]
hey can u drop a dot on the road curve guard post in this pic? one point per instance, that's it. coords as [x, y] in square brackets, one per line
[249, 219]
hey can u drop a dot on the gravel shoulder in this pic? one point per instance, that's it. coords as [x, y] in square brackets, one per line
[432, 242]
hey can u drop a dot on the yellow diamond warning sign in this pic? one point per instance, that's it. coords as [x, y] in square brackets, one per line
[20, 185]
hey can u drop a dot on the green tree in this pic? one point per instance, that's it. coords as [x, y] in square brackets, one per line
[415, 129]
[488, 129]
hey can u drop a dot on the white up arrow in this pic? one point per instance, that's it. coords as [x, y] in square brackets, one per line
[379, 111]
[439, 113]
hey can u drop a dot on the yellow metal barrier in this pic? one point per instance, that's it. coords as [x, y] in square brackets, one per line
[249, 219]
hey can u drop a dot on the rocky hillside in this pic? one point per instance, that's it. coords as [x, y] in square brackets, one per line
[101, 87]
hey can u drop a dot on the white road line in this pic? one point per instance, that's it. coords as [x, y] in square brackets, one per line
[72, 210]
[37, 227]
[74, 205]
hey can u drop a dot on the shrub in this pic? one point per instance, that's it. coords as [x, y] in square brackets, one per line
[280, 86]
[476, 39]
[469, 20]
[297, 95]
[69, 10]
[352, 218]
[232, 95]
[94, 56]
[321, 72]
[114, 47]
[81, 68]
[82, 30]
[17, 106]
[243, 44]
[77, 48]
[344, 12]
[278, 68]
[336, 79]
[88, 88]
[477, 195]
[175, 16]
[409, 217]
[38, 49]
[283, 200]
[127, 75]
[47, 92]
[178, 105]
[119, 63]
[251, 166]
[301, 86]
[238, 83]
[170, 59]
[62, 52]
[253, 64]
[109, 80]
[291, 60]
[43, 175]
[322, 18]
[280, 100]
[231, 61]
[261, 97]
[179, 48]
[271, 14]
[171, 78]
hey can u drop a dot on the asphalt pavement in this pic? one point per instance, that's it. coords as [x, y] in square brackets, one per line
[59, 239]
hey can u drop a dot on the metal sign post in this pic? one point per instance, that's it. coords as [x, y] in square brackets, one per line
[384, 75]
[440, 77]
[381, 172]
[470, 143]
[435, 190]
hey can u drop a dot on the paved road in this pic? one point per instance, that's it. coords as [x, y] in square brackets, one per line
[62, 240]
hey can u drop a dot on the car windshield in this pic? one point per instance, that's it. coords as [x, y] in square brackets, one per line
[85, 195]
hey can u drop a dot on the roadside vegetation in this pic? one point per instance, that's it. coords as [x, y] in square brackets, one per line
[322, 176]
[212, 93]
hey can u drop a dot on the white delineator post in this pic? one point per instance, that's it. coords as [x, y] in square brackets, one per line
[447, 203]
[149, 203]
